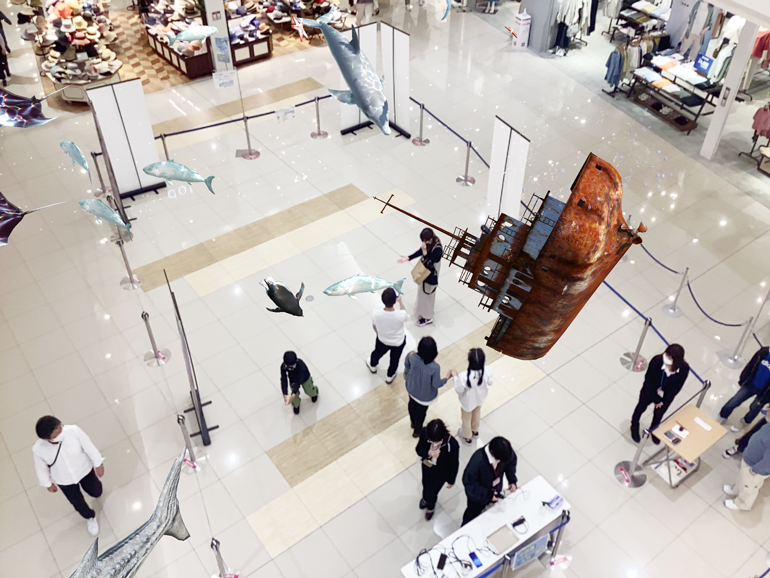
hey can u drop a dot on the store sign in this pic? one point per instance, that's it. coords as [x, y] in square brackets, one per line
[284, 114]
[224, 79]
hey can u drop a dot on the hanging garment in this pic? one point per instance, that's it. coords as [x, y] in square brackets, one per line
[562, 39]
[761, 124]
[721, 64]
[704, 43]
[614, 68]
[691, 41]
[592, 18]
[732, 28]
[612, 8]
[716, 32]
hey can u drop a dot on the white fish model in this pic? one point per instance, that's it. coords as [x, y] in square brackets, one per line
[73, 152]
[124, 558]
[192, 33]
[362, 284]
[171, 171]
[366, 89]
[102, 211]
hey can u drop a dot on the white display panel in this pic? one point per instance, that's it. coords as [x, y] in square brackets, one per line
[507, 168]
[395, 64]
[350, 115]
[136, 120]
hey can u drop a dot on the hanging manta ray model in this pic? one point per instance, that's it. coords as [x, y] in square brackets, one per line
[21, 112]
[10, 216]
[366, 89]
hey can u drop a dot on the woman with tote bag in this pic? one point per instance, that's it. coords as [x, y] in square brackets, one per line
[425, 274]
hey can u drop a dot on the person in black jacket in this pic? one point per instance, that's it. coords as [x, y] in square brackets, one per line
[483, 476]
[664, 379]
[754, 382]
[440, 455]
[294, 373]
[430, 252]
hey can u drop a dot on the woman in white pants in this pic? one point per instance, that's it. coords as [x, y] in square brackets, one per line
[472, 387]
[363, 11]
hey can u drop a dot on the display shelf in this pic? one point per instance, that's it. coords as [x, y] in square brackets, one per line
[257, 49]
[651, 105]
[190, 66]
[76, 91]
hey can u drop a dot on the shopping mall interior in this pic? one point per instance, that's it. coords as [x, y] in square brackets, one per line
[334, 490]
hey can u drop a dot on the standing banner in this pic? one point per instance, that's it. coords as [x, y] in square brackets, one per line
[507, 167]
[219, 43]
[125, 130]
[395, 64]
[351, 117]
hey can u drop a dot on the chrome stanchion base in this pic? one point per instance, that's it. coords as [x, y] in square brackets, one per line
[672, 310]
[561, 562]
[248, 154]
[731, 361]
[156, 360]
[319, 134]
[465, 181]
[129, 284]
[631, 480]
[228, 575]
[418, 142]
[627, 361]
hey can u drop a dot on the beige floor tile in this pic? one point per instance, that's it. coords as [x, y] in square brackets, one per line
[382, 406]
[227, 245]
[209, 279]
[328, 493]
[347, 196]
[342, 431]
[244, 264]
[282, 523]
[398, 439]
[371, 465]
[300, 456]
[277, 250]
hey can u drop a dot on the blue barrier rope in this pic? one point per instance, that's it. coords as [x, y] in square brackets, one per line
[658, 261]
[473, 148]
[754, 335]
[706, 314]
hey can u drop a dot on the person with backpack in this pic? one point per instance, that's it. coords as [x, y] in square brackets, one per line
[472, 387]
[754, 382]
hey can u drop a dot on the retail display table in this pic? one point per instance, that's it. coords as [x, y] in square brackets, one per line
[530, 537]
[683, 457]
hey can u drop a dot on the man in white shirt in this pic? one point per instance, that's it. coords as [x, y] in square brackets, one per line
[391, 336]
[65, 456]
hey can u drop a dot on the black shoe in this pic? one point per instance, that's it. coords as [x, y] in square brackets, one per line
[655, 440]
[376, 13]
[314, 398]
[423, 504]
[5, 83]
[296, 410]
[635, 436]
[415, 434]
[428, 514]
[475, 434]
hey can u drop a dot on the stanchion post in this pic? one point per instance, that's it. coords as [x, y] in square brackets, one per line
[631, 474]
[165, 148]
[223, 571]
[132, 281]
[318, 132]
[634, 361]
[734, 359]
[187, 442]
[99, 173]
[249, 154]
[465, 180]
[671, 309]
[156, 356]
[702, 396]
[419, 141]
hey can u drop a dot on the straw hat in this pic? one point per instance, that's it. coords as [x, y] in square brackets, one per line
[18, 2]
[74, 6]
[47, 65]
[54, 55]
[109, 36]
[27, 11]
[107, 55]
[67, 26]
[114, 65]
[92, 33]
[80, 23]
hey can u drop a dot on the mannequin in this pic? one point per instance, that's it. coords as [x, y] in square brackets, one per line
[700, 18]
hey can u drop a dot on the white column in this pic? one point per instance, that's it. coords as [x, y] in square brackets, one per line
[730, 88]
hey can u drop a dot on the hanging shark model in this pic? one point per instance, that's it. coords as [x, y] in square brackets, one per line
[171, 171]
[103, 212]
[366, 90]
[74, 153]
[362, 284]
[124, 558]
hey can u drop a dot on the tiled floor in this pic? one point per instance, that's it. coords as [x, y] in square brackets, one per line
[71, 340]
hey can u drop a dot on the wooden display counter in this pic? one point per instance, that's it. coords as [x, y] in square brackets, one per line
[190, 66]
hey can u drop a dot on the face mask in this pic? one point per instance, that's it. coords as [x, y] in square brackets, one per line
[667, 360]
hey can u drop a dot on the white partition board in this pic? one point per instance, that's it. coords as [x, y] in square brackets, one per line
[395, 64]
[126, 130]
[507, 167]
[350, 114]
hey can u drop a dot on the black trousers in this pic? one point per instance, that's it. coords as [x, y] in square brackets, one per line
[432, 482]
[472, 510]
[381, 349]
[417, 413]
[657, 414]
[93, 487]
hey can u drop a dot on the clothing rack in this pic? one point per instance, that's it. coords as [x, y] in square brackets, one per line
[754, 142]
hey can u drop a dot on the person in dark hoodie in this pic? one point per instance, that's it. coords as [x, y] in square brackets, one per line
[423, 380]
[753, 382]
[664, 379]
[483, 476]
[440, 455]
[294, 373]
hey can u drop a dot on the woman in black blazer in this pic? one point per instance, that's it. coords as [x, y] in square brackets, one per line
[440, 455]
[664, 379]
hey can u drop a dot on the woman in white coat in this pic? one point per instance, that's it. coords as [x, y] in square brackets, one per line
[472, 387]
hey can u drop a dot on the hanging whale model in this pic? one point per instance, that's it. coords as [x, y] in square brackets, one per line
[366, 89]
[102, 211]
[124, 558]
[192, 33]
[361, 284]
[281, 295]
[171, 171]
[73, 152]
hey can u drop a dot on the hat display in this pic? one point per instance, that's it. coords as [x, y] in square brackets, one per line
[80, 23]
[67, 26]
[74, 6]
[80, 39]
[103, 68]
[107, 55]
[47, 65]
[92, 33]
[18, 2]
[29, 32]
[88, 15]
[27, 11]
[56, 23]
[109, 36]
[54, 55]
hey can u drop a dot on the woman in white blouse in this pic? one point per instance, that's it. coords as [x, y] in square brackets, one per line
[472, 387]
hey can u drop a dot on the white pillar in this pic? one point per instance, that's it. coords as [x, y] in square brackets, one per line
[730, 88]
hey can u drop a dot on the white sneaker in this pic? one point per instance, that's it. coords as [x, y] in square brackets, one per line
[390, 379]
[727, 489]
[460, 435]
[408, 7]
[734, 428]
[730, 505]
[93, 526]
[373, 369]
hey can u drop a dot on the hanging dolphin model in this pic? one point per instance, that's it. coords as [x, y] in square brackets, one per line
[192, 33]
[366, 90]
[73, 152]
[124, 558]
[281, 295]
[102, 211]
[171, 171]
[448, 8]
[361, 284]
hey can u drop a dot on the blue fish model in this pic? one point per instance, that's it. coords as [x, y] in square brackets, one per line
[73, 152]
[448, 8]
[366, 90]
[361, 284]
[171, 171]
[102, 211]
[192, 33]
